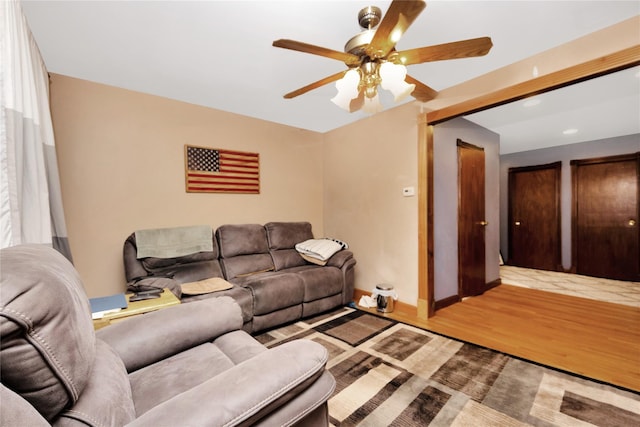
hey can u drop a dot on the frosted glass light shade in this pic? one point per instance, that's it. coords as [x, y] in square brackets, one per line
[372, 105]
[393, 76]
[347, 89]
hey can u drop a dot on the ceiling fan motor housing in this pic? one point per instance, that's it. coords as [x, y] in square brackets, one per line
[369, 17]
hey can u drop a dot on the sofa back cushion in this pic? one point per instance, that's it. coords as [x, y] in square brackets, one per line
[183, 269]
[244, 250]
[47, 342]
[282, 238]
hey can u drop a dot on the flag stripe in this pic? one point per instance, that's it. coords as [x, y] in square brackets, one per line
[221, 190]
[241, 165]
[238, 169]
[230, 175]
[221, 171]
[223, 183]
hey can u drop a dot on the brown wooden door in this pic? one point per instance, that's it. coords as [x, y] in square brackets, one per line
[471, 220]
[605, 217]
[534, 217]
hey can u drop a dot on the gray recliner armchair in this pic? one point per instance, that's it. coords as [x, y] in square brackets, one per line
[187, 365]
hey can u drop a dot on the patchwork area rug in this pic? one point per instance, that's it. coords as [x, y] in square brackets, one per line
[393, 374]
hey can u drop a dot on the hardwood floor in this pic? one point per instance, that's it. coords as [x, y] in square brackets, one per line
[591, 338]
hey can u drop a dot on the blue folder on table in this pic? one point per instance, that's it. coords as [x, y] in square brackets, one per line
[110, 304]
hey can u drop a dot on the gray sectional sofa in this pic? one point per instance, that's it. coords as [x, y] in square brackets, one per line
[186, 365]
[272, 283]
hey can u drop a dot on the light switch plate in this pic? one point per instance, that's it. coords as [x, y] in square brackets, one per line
[408, 191]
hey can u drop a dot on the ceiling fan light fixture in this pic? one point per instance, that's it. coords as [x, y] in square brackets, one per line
[372, 105]
[368, 51]
[347, 89]
[371, 91]
[392, 79]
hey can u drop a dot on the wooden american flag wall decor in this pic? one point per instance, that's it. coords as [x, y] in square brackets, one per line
[212, 170]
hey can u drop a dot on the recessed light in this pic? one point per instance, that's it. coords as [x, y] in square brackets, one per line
[532, 102]
[570, 131]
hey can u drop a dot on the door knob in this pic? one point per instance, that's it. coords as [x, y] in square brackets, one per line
[631, 222]
[517, 223]
[483, 223]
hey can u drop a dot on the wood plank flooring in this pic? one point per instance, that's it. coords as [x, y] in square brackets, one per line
[591, 338]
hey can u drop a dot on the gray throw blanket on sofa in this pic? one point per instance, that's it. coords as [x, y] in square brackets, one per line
[173, 242]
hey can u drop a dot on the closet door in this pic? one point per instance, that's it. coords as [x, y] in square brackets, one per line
[534, 217]
[605, 217]
[471, 220]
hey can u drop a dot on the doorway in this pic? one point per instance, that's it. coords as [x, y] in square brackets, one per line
[534, 217]
[471, 220]
[605, 228]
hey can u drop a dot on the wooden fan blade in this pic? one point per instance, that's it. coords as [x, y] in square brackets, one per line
[315, 85]
[347, 58]
[395, 22]
[422, 92]
[454, 50]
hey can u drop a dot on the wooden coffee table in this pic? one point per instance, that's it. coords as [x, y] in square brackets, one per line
[167, 299]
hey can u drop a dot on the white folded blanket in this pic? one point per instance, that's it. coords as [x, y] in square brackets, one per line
[174, 242]
[320, 249]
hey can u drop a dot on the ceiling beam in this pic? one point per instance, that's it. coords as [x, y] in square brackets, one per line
[622, 59]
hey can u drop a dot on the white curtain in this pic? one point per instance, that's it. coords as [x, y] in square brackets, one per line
[30, 198]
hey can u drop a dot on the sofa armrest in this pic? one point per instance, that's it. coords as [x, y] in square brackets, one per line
[345, 261]
[17, 411]
[339, 258]
[146, 339]
[156, 282]
[249, 391]
[132, 266]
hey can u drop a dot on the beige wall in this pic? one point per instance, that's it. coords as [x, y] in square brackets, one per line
[121, 160]
[366, 166]
[122, 168]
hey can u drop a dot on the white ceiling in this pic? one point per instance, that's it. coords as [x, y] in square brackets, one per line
[218, 53]
[605, 107]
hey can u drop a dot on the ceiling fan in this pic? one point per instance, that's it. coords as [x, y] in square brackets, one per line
[373, 61]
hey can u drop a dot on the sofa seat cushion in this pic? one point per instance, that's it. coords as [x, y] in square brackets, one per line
[246, 265]
[275, 291]
[188, 272]
[321, 282]
[318, 281]
[167, 378]
[249, 391]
